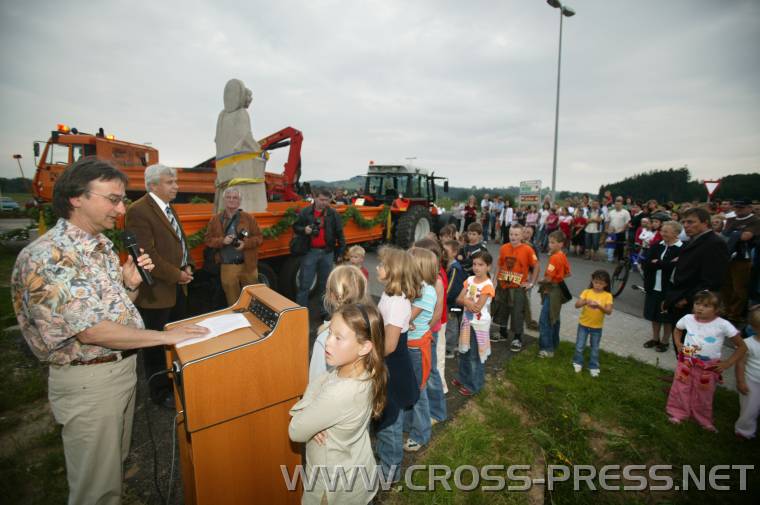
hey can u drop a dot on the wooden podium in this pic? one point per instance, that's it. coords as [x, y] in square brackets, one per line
[233, 393]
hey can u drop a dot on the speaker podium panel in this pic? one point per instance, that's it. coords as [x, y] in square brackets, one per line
[233, 393]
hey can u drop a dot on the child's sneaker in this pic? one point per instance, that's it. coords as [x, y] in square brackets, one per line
[577, 367]
[516, 346]
[674, 420]
[411, 445]
[543, 354]
[594, 372]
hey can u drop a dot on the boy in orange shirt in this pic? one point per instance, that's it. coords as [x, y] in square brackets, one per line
[553, 295]
[518, 272]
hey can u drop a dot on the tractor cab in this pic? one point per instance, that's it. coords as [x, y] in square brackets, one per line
[410, 192]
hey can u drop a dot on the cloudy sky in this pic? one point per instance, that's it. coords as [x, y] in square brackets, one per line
[467, 88]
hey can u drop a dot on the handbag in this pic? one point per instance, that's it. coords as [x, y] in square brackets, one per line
[566, 294]
[299, 244]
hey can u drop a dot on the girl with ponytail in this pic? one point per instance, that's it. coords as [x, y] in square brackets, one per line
[334, 414]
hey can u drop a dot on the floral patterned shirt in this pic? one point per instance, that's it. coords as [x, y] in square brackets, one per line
[63, 283]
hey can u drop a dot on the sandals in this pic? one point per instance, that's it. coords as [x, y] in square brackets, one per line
[662, 347]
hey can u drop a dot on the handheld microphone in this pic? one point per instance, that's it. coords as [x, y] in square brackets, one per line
[130, 242]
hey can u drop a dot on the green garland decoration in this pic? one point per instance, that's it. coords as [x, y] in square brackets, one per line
[283, 225]
[353, 213]
[197, 238]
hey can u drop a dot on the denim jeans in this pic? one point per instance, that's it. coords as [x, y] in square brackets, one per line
[486, 225]
[580, 344]
[390, 448]
[472, 373]
[548, 337]
[434, 387]
[315, 262]
[418, 417]
[452, 331]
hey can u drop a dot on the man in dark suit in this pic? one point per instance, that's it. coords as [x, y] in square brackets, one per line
[159, 232]
[701, 265]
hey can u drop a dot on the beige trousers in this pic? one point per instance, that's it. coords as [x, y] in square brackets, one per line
[234, 278]
[96, 406]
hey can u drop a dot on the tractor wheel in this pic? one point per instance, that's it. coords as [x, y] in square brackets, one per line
[415, 224]
[267, 275]
[289, 271]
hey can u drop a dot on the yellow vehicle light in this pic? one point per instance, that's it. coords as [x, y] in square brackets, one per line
[110, 137]
[63, 128]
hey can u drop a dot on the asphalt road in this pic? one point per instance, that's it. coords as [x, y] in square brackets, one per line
[630, 301]
[13, 223]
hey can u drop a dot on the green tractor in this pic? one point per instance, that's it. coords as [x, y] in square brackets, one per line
[410, 192]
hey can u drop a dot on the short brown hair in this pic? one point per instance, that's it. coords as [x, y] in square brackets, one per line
[706, 297]
[75, 181]
[476, 227]
[558, 236]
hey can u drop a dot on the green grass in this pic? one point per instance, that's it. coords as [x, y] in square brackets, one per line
[23, 376]
[571, 419]
[36, 473]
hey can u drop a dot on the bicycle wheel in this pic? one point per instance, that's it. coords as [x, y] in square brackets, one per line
[619, 278]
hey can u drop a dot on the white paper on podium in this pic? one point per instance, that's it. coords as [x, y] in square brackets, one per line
[218, 325]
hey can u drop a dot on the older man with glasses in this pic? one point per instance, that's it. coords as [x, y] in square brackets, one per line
[159, 232]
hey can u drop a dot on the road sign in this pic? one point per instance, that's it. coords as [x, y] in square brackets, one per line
[712, 187]
[530, 192]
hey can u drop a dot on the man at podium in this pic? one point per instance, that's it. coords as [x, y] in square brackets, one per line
[74, 304]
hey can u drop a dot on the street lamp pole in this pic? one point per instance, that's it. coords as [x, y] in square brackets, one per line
[564, 10]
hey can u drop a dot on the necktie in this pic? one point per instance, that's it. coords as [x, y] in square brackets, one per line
[178, 231]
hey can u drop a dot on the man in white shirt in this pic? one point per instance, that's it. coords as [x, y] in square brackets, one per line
[618, 219]
[485, 209]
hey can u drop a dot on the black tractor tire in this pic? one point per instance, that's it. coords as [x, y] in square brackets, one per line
[289, 270]
[412, 226]
[267, 275]
[443, 220]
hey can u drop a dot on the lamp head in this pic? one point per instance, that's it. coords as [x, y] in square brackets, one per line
[568, 11]
[554, 3]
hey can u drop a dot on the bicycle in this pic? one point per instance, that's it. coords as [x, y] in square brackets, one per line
[630, 262]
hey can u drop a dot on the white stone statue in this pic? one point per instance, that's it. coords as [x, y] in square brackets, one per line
[238, 155]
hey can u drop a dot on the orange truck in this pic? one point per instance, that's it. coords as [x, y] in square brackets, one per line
[277, 268]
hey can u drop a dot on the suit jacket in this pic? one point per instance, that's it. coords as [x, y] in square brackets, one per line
[215, 236]
[701, 265]
[651, 263]
[155, 234]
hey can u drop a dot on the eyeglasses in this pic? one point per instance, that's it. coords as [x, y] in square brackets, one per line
[114, 199]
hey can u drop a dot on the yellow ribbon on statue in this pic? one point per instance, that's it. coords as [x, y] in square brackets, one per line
[238, 157]
[243, 180]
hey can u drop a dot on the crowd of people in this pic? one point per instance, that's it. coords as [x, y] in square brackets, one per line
[375, 368]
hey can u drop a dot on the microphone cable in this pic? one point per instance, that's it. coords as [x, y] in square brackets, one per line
[150, 435]
[174, 448]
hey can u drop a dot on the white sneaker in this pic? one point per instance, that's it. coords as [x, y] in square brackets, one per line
[516, 346]
[578, 368]
[543, 354]
[594, 372]
[411, 446]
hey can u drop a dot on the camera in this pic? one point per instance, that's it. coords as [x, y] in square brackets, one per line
[315, 228]
[241, 235]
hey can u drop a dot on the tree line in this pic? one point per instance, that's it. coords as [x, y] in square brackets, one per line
[675, 185]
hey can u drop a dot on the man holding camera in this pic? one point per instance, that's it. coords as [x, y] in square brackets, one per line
[237, 237]
[321, 227]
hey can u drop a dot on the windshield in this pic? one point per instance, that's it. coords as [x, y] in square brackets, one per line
[381, 186]
[57, 154]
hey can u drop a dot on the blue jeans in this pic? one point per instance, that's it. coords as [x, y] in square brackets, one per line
[390, 447]
[472, 373]
[418, 417]
[436, 400]
[580, 344]
[315, 262]
[548, 337]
